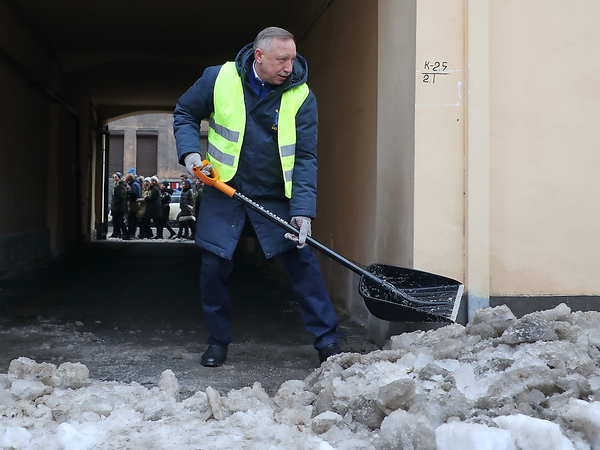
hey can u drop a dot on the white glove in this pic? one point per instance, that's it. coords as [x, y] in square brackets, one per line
[302, 223]
[191, 160]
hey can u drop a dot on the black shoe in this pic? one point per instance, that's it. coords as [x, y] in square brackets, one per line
[214, 356]
[329, 350]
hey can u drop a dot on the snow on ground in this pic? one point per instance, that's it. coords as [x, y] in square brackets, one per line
[497, 384]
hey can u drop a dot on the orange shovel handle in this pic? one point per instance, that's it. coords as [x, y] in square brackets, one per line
[213, 180]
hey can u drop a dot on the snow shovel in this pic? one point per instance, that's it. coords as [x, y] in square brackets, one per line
[391, 293]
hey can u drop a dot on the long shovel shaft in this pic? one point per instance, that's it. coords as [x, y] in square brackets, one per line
[231, 192]
[327, 251]
[309, 240]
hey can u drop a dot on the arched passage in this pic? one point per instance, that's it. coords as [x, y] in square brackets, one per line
[113, 58]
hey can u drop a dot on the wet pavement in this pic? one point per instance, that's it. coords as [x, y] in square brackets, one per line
[130, 310]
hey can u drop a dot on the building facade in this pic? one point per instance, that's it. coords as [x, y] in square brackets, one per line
[145, 143]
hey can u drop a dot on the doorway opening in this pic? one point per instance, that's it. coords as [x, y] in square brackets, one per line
[143, 145]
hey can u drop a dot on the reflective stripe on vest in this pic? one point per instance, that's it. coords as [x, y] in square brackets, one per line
[227, 124]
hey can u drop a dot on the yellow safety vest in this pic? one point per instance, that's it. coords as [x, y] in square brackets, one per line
[228, 122]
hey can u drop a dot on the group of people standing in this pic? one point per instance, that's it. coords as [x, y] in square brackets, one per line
[138, 203]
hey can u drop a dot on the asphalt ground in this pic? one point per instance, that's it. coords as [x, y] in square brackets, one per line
[129, 310]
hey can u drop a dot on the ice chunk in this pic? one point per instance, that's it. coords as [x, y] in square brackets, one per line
[246, 399]
[157, 410]
[366, 411]
[434, 372]
[404, 340]
[445, 342]
[529, 432]
[467, 383]
[530, 328]
[73, 375]
[27, 369]
[380, 355]
[73, 436]
[448, 349]
[561, 313]
[216, 404]
[293, 394]
[168, 384]
[408, 361]
[352, 444]
[15, 438]
[566, 331]
[294, 416]
[198, 403]
[406, 431]
[29, 390]
[97, 405]
[499, 318]
[4, 381]
[473, 436]
[483, 329]
[6, 398]
[323, 422]
[396, 394]
[584, 417]
[423, 358]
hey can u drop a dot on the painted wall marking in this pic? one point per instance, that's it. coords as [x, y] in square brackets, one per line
[432, 69]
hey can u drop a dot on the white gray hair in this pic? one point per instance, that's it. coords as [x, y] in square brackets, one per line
[263, 40]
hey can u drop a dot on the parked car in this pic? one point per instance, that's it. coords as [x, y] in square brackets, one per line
[175, 210]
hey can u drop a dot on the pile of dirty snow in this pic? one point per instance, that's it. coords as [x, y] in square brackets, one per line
[497, 384]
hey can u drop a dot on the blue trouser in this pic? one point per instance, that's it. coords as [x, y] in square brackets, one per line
[307, 283]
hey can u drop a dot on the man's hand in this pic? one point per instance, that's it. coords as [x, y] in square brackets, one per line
[302, 223]
[191, 160]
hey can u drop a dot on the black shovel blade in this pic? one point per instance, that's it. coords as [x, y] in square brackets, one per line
[437, 297]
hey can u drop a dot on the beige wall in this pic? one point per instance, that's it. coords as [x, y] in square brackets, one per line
[439, 138]
[545, 147]
[342, 61]
[383, 198]
[395, 133]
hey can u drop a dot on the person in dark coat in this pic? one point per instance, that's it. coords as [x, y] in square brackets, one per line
[268, 73]
[134, 192]
[153, 207]
[187, 220]
[119, 207]
[165, 200]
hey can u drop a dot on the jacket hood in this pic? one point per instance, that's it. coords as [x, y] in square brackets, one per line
[245, 58]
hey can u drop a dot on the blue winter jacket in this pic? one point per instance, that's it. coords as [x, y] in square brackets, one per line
[259, 175]
[136, 190]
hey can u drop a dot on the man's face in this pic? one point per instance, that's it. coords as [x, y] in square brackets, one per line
[275, 65]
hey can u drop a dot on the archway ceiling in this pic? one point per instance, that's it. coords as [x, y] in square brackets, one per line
[144, 54]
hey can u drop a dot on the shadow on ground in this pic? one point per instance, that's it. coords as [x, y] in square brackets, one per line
[130, 310]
